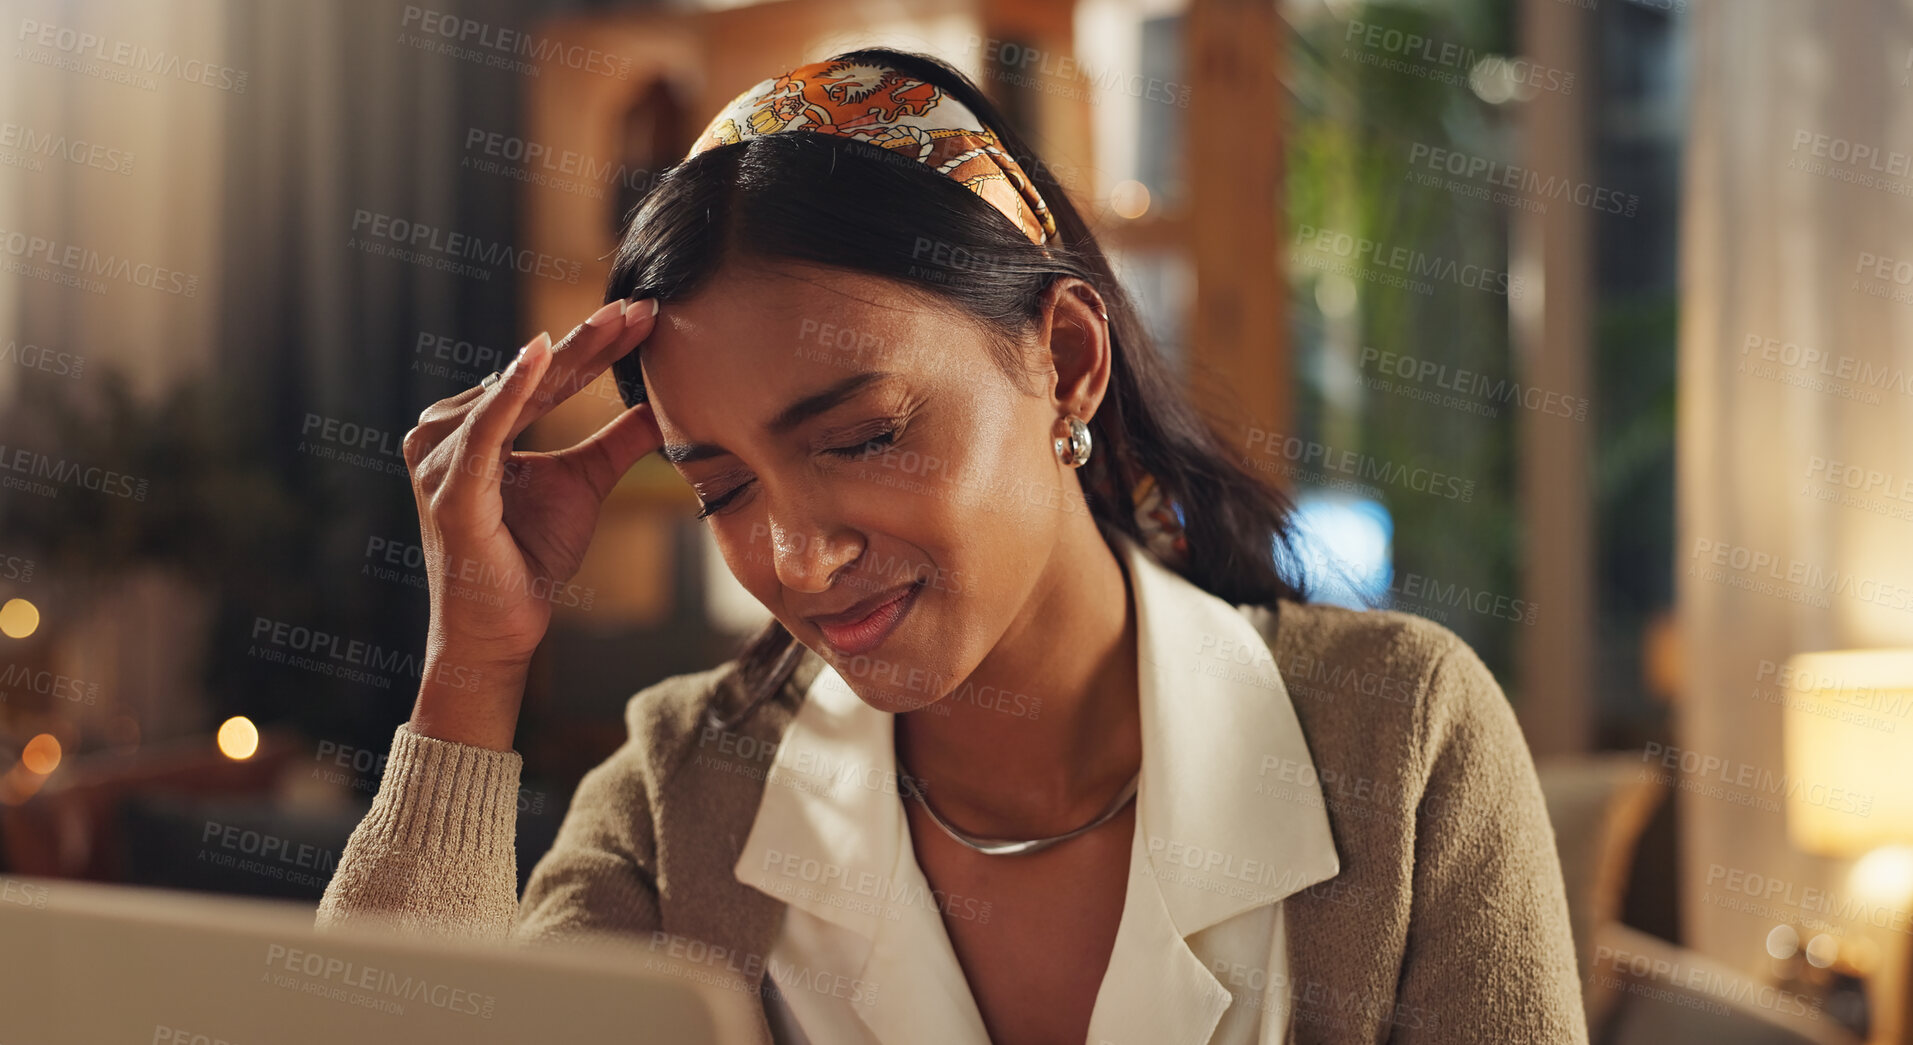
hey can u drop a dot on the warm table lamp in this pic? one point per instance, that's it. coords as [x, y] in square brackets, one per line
[1849, 792]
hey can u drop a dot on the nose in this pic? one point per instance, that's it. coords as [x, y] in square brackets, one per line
[808, 553]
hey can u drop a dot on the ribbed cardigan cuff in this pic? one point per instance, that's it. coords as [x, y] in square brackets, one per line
[444, 797]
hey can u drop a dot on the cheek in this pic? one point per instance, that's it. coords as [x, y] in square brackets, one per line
[745, 545]
[1001, 450]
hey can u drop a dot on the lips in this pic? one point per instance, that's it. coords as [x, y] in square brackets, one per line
[866, 625]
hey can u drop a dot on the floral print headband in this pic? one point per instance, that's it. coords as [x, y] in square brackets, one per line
[892, 110]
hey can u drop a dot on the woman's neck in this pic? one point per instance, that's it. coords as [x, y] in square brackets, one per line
[1048, 728]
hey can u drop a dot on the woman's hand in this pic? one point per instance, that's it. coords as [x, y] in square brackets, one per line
[504, 531]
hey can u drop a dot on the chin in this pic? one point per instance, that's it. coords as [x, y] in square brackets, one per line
[897, 703]
[896, 683]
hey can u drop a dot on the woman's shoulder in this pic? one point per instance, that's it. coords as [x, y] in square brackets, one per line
[1364, 670]
[695, 720]
[1322, 638]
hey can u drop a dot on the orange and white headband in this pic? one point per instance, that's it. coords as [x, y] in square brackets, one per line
[890, 109]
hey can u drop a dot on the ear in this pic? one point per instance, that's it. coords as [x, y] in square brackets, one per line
[1075, 333]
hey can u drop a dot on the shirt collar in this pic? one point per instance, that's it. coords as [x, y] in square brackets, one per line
[1231, 809]
[1229, 806]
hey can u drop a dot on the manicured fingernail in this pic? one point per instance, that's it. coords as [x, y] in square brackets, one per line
[604, 315]
[520, 358]
[634, 310]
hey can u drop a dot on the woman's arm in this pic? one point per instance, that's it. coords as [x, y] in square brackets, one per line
[435, 855]
[1490, 955]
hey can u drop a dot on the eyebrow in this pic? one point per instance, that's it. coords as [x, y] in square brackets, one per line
[788, 418]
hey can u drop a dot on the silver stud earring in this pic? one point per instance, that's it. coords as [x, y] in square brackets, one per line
[1073, 448]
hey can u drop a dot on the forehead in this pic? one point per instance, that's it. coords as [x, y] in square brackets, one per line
[764, 331]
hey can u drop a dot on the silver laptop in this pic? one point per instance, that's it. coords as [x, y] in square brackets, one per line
[89, 964]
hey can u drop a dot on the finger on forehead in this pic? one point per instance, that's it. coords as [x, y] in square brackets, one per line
[590, 351]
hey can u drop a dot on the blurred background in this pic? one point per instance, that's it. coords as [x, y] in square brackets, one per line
[1579, 326]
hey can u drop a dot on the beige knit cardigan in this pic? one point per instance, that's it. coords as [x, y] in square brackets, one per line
[1448, 921]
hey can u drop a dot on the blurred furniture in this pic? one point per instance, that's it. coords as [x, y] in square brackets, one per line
[72, 827]
[1597, 805]
[1654, 1011]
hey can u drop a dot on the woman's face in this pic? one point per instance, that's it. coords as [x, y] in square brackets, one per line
[869, 472]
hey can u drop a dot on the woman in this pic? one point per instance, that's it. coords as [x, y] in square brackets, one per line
[1042, 745]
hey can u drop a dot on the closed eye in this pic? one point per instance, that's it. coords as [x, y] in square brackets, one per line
[870, 447]
[875, 444]
[710, 508]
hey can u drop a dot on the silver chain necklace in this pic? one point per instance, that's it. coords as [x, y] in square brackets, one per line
[1012, 846]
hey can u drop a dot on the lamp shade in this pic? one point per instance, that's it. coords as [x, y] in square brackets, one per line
[1849, 750]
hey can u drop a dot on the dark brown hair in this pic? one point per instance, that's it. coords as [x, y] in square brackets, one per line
[828, 200]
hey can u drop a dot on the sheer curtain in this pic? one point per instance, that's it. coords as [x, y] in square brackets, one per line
[1796, 346]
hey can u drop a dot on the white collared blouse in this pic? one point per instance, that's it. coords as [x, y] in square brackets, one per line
[1229, 821]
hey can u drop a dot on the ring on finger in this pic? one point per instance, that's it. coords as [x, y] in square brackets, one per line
[490, 379]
